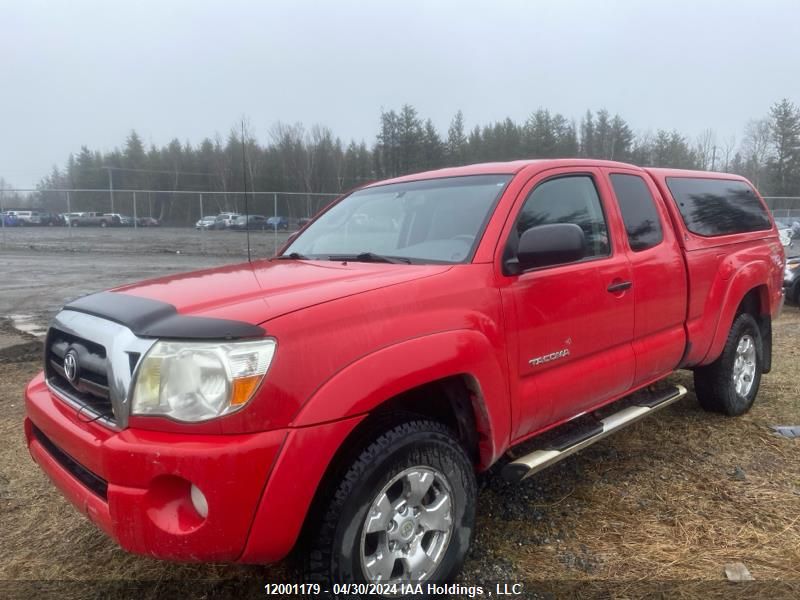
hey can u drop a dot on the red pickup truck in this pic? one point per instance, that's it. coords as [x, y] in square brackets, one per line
[344, 393]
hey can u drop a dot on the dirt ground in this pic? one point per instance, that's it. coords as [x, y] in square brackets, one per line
[657, 510]
[660, 507]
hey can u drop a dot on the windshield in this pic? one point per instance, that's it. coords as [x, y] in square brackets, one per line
[436, 220]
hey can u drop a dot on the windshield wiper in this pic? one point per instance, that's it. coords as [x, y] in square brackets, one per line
[292, 256]
[372, 257]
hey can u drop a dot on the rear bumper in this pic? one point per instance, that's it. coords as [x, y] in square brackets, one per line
[148, 475]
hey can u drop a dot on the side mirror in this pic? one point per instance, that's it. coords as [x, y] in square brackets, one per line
[546, 245]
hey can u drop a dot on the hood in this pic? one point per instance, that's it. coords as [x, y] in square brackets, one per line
[262, 290]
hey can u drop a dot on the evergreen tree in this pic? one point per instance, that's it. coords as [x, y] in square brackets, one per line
[432, 147]
[785, 126]
[587, 135]
[456, 141]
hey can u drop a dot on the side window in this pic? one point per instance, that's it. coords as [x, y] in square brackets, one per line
[713, 207]
[570, 199]
[639, 212]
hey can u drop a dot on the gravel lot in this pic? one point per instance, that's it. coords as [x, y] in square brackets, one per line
[143, 240]
[655, 511]
[48, 266]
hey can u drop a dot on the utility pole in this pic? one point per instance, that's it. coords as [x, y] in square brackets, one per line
[110, 186]
[714, 158]
[2, 215]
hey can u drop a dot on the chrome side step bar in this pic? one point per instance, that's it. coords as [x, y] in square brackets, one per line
[561, 448]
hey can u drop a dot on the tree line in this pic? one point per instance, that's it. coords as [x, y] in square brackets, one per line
[297, 159]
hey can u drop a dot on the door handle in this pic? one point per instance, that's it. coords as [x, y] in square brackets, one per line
[620, 286]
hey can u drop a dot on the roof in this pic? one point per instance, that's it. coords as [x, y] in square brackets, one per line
[513, 167]
[664, 173]
[506, 168]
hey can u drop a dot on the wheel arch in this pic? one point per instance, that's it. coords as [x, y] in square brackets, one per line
[455, 376]
[747, 293]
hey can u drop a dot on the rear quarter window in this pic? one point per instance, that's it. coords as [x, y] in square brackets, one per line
[712, 207]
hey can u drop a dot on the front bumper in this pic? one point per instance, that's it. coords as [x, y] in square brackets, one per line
[135, 484]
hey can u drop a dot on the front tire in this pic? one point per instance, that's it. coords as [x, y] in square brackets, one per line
[403, 511]
[730, 384]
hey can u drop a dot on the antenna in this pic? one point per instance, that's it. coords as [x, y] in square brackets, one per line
[246, 210]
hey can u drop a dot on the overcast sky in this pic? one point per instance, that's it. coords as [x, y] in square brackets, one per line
[80, 72]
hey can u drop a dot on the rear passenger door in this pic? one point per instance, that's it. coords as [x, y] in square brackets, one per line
[659, 276]
[572, 323]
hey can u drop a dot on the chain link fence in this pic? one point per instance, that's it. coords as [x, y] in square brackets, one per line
[151, 221]
[179, 221]
[172, 208]
[784, 207]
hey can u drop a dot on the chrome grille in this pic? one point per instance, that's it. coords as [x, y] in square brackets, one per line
[105, 357]
[90, 385]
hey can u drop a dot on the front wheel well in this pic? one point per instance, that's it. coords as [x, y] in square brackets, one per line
[455, 401]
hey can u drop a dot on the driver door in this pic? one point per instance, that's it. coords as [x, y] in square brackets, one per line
[573, 322]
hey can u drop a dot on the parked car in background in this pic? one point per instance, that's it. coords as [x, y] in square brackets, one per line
[125, 220]
[791, 279]
[71, 219]
[789, 230]
[206, 222]
[27, 217]
[278, 223]
[97, 219]
[224, 220]
[148, 222]
[242, 222]
[9, 220]
[52, 219]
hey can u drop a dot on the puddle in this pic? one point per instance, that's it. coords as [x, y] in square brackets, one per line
[28, 324]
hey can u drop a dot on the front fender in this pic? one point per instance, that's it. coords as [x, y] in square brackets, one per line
[748, 277]
[366, 383]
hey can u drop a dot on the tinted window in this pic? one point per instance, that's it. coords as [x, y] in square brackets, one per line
[568, 200]
[718, 206]
[638, 210]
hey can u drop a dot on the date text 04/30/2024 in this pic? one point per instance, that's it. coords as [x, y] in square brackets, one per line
[405, 589]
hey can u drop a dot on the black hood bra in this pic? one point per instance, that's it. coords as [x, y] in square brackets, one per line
[155, 319]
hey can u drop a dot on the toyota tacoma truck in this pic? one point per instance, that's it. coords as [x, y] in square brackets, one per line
[341, 396]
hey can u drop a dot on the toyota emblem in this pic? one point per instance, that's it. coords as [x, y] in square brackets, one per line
[71, 366]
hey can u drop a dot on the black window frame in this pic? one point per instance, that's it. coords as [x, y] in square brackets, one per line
[658, 213]
[511, 252]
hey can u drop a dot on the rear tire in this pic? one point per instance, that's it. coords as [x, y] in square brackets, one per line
[730, 384]
[405, 505]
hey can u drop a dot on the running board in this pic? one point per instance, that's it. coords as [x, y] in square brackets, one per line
[565, 445]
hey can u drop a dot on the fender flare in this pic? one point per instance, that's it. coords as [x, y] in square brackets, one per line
[415, 362]
[749, 277]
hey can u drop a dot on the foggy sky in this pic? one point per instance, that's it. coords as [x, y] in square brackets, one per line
[79, 72]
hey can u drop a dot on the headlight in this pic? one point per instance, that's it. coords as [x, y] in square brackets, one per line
[197, 381]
